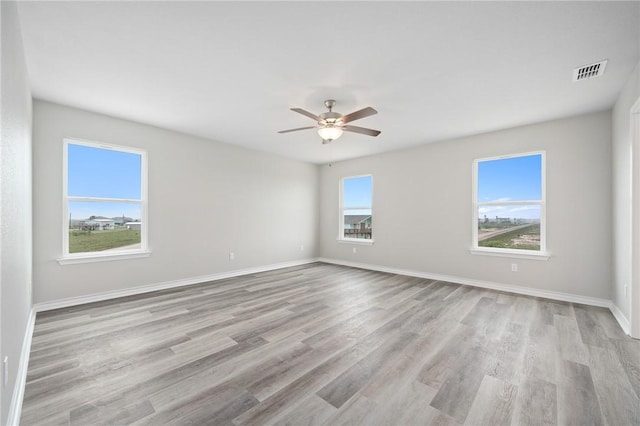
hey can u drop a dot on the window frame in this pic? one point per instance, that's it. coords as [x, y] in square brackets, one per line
[100, 256]
[541, 254]
[341, 209]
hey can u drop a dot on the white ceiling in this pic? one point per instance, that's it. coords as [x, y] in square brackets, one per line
[230, 71]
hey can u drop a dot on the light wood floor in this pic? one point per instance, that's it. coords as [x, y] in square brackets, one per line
[325, 344]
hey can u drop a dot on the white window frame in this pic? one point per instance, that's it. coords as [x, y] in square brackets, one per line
[341, 209]
[85, 257]
[541, 254]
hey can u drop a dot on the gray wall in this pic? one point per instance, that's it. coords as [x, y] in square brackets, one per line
[205, 200]
[422, 207]
[15, 214]
[621, 147]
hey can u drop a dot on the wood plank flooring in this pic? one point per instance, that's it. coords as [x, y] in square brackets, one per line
[326, 344]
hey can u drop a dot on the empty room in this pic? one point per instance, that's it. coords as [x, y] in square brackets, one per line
[320, 213]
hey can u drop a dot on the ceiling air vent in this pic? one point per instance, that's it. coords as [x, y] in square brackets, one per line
[589, 71]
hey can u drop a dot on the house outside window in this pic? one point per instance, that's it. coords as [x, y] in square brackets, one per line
[356, 209]
[105, 201]
[509, 205]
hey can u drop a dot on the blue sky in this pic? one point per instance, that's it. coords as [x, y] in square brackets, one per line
[507, 179]
[510, 179]
[95, 172]
[357, 192]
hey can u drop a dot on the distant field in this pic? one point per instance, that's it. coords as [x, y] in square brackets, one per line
[527, 238]
[89, 241]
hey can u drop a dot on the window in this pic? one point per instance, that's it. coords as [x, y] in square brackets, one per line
[509, 205]
[104, 201]
[356, 195]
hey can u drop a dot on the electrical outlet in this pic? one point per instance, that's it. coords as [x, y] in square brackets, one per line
[355, 250]
[5, 371]
[514, 267]
[232, 255]
[301, 247]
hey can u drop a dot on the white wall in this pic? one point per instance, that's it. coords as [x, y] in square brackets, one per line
[15, 194]
[621, 143]
[422, 207]
[205, 200]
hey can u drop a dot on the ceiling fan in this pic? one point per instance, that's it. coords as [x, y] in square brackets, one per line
[332, 124]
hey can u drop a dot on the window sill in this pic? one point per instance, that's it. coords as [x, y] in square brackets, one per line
[90, 258]
[517, 254]
[361, 242]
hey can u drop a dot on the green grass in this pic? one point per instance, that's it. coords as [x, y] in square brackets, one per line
[509, 239]
[90, 241]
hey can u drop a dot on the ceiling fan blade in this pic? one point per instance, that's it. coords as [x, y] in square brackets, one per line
[295, 130]
[307, 113]
[364, 112]
[362, 130]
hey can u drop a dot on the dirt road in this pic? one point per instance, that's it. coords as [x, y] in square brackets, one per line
[491, 234]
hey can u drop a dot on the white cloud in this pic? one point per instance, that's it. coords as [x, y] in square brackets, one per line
[499, 200]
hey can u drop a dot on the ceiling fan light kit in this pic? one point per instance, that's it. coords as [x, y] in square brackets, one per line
[329, 133]
[332, 124]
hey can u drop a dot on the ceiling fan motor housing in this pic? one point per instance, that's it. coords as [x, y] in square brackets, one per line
[329, 118]
[331, 124]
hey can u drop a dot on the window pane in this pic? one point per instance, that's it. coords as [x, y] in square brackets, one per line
[96, 172]
[510, 179]
[357, 223]
[356, 192]
[511, 227]
[104, 226]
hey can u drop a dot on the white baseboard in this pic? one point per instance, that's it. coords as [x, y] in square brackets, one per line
[16, 402]
[528, 291]
[624, 322]
[15, 409]
[97, 297]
